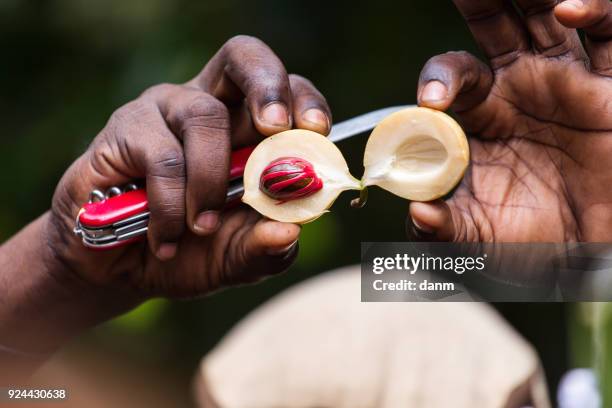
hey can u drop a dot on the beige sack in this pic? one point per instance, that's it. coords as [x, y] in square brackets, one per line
[317, 345]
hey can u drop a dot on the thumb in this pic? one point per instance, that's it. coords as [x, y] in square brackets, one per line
[269, 248]
[440, 221]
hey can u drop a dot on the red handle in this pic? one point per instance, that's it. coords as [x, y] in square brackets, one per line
[238, 161]
[107, 212]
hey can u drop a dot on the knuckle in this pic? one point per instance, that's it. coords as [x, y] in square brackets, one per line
[266, 85]
[463, 61]
[304, 88]
[430, 66]
[461, 55]
[159, 89]
[117, 118]
[169, 164]
[116, 121]
[444, 66]
[264, 77]
[128, 114]
[437, 60]
[239, 41]
[298, 79]
[207, 107]
[201, 111]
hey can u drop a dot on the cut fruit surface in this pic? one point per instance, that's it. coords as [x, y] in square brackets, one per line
[417, 153]
[295, 176]
[326, 160]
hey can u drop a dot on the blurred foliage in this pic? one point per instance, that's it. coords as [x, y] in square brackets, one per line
[319, 241]
[67, 64]
[142, 318]
[591, 342]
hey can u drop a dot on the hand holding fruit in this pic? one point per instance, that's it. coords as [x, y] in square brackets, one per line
[540, 119]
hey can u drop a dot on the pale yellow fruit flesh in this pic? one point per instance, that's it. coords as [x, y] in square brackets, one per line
[328, 163]
[417, 153]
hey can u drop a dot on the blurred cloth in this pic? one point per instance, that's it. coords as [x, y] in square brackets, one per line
[317, 345]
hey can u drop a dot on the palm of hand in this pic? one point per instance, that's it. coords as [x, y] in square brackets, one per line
[540, 155]
[539, 119]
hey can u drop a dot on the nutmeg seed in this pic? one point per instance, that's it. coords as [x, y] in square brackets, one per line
[289, 178]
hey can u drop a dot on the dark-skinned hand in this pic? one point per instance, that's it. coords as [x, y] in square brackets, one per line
[538, 116]
[179, 138]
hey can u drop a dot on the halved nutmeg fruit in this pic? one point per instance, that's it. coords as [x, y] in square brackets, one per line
[419, 154]
[295, 176]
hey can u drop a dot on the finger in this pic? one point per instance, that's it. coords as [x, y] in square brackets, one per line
[137, 143]
[244, 132]
[437, 221]
[497, 29]
[548, 36]
[203, 124]
[310, 109]
[431, 220]
[246, 67]
[455, 79]
[164, 163]
[595, 18]
[268, 248]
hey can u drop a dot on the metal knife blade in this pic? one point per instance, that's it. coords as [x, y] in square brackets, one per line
[362, 123]
[340, 131]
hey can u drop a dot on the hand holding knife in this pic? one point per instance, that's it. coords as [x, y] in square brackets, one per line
[120, 216]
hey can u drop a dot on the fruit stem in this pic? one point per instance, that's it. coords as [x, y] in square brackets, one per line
[361, 201]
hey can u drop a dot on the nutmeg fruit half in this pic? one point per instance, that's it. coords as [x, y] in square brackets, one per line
[295, 176]
[419, 154]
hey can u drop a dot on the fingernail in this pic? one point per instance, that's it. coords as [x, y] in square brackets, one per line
[422, 227]
[317, 117]
[281, 250]
[207, 222]
[575, 4]
[166, 251]
[434, 91]
[275, 114]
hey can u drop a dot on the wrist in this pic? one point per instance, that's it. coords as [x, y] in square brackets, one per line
[45, 300]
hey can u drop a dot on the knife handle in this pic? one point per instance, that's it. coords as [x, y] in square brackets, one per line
[120, 217]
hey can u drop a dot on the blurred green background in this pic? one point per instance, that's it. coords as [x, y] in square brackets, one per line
[67, 65]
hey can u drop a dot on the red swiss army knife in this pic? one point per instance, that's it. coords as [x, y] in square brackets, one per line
[120, 216]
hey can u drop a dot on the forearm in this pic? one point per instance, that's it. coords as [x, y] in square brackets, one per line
[43, 303]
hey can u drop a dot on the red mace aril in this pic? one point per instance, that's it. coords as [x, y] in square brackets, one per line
[288, 178]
